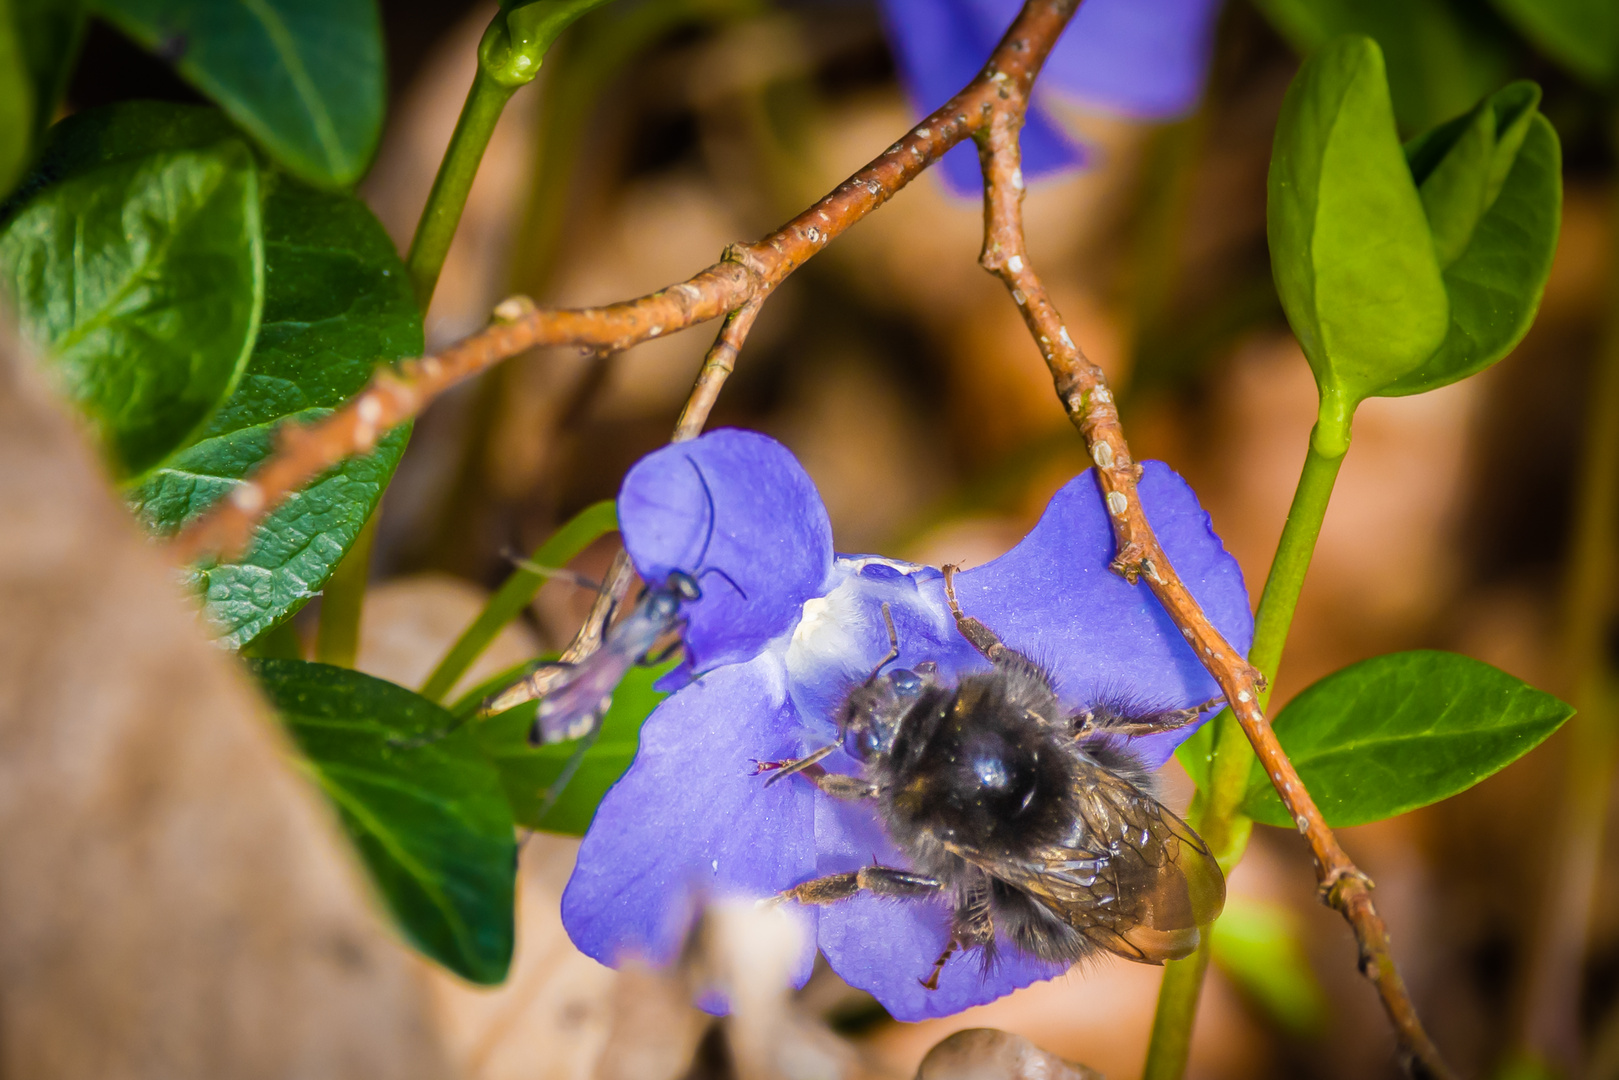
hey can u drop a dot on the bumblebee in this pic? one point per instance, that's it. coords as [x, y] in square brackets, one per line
[1039, 826]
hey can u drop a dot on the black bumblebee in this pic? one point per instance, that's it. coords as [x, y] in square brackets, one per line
[1038, 824]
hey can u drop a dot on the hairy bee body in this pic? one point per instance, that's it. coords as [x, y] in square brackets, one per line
[1039, 826]
[1057, 841]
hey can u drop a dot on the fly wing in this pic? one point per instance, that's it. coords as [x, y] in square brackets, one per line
[574, 705]
[1130, 876]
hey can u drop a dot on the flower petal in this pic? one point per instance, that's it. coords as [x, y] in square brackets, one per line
[841, 637]
[886, 946]
[1143, 58]
[940, 45]
[1054, 598]
[691, 819]
[737, 511]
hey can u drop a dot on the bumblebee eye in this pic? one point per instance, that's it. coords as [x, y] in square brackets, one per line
[861, 741]
[905, 683]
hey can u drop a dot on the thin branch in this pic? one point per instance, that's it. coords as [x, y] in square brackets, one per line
[746, 271]
[1083, 390]
[717, 367]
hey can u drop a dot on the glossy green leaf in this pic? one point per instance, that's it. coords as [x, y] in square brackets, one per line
[337, 303]
[142, 280]
[1501, 196]
[420, 802]
[1442, 56]
[1257, 945]
[527, 772]
[1196, 753]
[1399, 731]
[305, 77]
[1350, 250]
[1581, 35]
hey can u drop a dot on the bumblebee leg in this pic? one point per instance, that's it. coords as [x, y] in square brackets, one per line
[982, 637]
[880, 880]
[782, 770]
[932, 981]
[848, 788]
[893, 647]
[1098, 721]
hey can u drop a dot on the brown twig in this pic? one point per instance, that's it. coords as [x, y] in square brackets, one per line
[746, 271]
[1083, 390]
[717, 367]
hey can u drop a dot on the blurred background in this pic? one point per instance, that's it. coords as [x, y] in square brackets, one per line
[904, 380]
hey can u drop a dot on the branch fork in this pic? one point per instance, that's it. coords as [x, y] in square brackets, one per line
[991, 109]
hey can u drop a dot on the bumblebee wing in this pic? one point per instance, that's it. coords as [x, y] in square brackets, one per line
[1131, 876]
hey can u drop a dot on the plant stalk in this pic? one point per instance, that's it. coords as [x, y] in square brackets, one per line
[448, 198]
[1217, 814]
[337, 638]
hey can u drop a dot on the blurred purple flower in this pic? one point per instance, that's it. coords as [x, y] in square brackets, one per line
[1141, 58]
[784, 629]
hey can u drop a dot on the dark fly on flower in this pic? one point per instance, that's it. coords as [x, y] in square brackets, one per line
[575, 697]
[1039, 826]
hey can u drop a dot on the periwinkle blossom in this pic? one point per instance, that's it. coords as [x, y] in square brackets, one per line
[1145, 59]
[784, 629]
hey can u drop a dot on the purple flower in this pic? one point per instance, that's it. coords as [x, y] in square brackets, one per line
[783, 630]
[1141, 58]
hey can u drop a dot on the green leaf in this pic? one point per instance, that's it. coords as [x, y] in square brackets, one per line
[1350, 250]
[1581, 35]
[420, 802]
[1500, 193]
[1399, 731]
[527, 772]
[305, 77]
[142, 281]
[1195, 754]
[1442, 56]
[1258, 947]
[337, 302]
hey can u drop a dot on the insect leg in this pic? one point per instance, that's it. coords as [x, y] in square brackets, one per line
[1096, 720]
[560, 784]
[893, 647]
[932, 981]
[879, 880]
[783, 771]
[982, 637]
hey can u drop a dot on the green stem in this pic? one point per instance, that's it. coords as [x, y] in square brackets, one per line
[428, 249]
[1217, 814]
[509, 56]
[1171, 1045]
[517, 593]
[337, 639]
[279, 643]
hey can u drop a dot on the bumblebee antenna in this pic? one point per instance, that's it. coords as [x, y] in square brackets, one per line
[893, 647]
